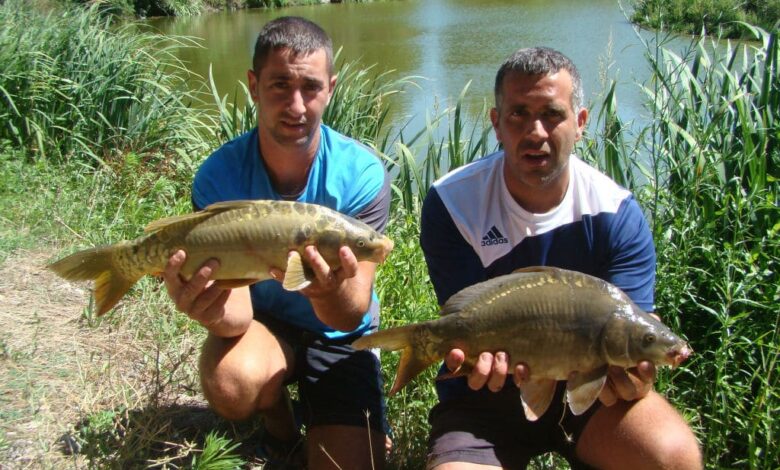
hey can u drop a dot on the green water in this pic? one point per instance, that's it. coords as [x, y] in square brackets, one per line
[449, 42]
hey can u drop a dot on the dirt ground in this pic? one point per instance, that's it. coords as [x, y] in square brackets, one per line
[56, 372]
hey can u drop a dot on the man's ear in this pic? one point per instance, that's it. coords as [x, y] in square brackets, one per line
[332, 87]
[251, 79]
[494, 117]
[582, 119]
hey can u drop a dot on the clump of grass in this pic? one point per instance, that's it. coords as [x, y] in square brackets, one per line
[74, 85]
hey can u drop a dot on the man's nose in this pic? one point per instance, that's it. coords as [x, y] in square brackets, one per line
[537, 129]
[297, 104]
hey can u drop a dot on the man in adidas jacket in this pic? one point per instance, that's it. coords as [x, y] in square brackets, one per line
[534, 203]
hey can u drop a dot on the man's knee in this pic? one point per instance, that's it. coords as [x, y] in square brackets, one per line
[677, 449]
[234, 383]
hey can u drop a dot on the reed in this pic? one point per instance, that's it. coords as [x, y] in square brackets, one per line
[714, 145]
[75, 86]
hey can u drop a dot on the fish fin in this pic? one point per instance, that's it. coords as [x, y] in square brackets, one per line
[97, 264]
[583, 389]
[391, 339]
[536, 269]
[462, 298]
[160, 224]
[295, 277]
[394, 339]
[210, 211]
[536, 396]
[409, 367]
[234, 283]
[223, 206]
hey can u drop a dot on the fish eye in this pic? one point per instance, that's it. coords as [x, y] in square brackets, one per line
[361, 243]
[648, 339]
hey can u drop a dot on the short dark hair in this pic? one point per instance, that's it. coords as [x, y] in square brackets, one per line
[298, 34]
[541, 61]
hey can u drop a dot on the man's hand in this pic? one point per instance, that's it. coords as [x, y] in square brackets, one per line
[198, 298]
[490, 369]
[628, 384]
[326, 279]
[340, 296]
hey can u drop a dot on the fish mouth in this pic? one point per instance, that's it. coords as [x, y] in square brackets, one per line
[676, 356]
[386, 247]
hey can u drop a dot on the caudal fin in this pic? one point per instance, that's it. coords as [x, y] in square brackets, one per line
[413, 361]
[97, 264]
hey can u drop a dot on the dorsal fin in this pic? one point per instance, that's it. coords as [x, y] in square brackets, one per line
[460, 300]
[209, 211]
[537, 269]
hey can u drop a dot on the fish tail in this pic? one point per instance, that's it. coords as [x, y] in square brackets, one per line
[98, 264]
[413, 360]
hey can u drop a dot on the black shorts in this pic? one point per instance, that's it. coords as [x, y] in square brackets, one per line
[337, 385]
[490, 429]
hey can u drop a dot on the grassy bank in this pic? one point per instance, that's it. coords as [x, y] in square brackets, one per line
[714, 17]
[151, 8]
[122, 391]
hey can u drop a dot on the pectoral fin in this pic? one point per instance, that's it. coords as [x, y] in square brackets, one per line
[295, 277]
[583, 389]
[536, 396]
[234, 283]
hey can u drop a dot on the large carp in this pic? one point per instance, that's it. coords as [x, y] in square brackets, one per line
[247, 237]
[564, 325]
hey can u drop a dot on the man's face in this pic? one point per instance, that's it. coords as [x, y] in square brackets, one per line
[538, 128]
[291, 92]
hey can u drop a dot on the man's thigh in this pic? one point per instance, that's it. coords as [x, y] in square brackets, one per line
[646, 433]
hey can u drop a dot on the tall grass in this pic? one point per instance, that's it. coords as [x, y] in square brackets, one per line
[714, 143]
[75, 86]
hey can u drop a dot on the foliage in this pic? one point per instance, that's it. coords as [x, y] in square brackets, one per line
[716, 163]
[718, 17]
[74, 86]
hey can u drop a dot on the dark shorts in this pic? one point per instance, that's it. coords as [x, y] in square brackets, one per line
[337, 385]
[492, 430]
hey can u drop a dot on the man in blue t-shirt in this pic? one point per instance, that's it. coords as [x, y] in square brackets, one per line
[534, 203]
[262, 337]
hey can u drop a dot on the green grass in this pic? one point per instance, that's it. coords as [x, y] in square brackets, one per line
[705, 169]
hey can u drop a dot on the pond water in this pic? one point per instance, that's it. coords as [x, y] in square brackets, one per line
[449, 42]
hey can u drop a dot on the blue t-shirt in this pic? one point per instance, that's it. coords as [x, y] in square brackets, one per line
[345, 176]
[473, 230]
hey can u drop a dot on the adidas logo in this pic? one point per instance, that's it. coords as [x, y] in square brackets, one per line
[494, 237]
